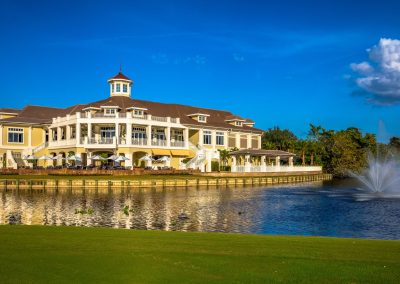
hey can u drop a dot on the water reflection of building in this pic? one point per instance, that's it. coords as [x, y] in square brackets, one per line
[210, 209]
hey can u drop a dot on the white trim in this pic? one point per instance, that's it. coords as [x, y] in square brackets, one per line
[139, 108]
[90, 108]
[198, 114]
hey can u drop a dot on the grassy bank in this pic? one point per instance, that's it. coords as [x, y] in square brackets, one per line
[70, 254]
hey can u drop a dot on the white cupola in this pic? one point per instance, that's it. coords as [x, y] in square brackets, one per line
[120, 85]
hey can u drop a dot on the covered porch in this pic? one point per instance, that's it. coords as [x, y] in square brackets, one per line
[260, 160]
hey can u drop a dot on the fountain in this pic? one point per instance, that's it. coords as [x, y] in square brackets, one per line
[382, 177]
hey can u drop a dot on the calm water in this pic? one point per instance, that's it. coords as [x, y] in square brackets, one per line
[317, 209]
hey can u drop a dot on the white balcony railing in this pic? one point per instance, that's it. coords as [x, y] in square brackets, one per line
[271, 169]
[159, 142]
[139, 141]
[177, 143]
[158, 118]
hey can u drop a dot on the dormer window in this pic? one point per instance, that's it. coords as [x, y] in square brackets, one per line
[138, 112]
[238, 123]
[200, 117]
[109, 111]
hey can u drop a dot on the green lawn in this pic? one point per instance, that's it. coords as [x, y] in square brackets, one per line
[69, 254]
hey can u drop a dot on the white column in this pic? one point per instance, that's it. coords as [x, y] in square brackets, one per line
[30, 136]
[201, 137]
[78, 133]
[208, 158]
[247, 163]
[290, 161]
[148, 133]
[259, 141]
[213, 138]
[88, 160]
[278, 162]
[233, 166]
[168, 136]
[248, 140]
[1, 134]
[186, 137]
[129, 163]
[89, 131]
[129, 133]
[226, 139]
[68, 132]
[263, 164]
[117, 133]
[237, 140]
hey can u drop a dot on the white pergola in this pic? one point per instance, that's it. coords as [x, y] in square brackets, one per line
[255, 160]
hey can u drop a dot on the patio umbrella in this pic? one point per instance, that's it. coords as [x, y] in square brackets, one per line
[74, 158]
[98, 158]
[113, 157]
[30, 157]
[45, 158]
[146, 158]
[121, 158]
[164, 159]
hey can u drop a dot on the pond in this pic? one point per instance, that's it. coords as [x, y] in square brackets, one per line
[333, 208]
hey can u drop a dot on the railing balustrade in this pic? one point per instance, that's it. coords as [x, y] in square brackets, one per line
[159, 142]
[139, 141]
[177, 143]
[158, 118]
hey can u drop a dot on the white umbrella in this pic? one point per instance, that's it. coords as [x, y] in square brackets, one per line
[30, 157]
[121, 158]
[98, 158]
[164, 159]
[58, 157]
[146, 158]
[45, 158]
[74, 158]
[113, 157]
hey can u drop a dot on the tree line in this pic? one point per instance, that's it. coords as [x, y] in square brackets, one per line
[338, 152]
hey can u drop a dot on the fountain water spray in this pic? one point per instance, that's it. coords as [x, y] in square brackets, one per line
[382, 175]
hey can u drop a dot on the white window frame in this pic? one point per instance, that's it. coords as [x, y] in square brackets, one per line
[110, 111]
[238, 123]
[202, 118]
[15, 131]
[124, 88]
[207, 137]
[220, 138]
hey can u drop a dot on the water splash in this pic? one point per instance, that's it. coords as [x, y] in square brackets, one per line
[382, 176]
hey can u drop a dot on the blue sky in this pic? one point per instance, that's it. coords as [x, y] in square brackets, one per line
[281, 63]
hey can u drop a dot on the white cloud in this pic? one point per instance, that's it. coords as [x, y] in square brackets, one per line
[380, 78]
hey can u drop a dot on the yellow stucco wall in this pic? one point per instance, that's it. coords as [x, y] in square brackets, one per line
[37, 136]
[194, 136]
[2, 116]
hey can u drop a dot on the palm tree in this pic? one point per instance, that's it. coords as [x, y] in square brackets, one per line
[223, 157]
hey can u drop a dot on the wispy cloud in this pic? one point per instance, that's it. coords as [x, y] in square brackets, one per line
[379, 79]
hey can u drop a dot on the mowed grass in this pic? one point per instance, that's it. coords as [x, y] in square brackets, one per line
[39, 254]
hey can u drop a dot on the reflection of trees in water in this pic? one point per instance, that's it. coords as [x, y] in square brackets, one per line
[210, 209]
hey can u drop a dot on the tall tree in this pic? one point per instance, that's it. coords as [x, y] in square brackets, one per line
[278, 139]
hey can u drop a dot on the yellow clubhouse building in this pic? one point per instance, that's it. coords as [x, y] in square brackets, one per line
[145, 133]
